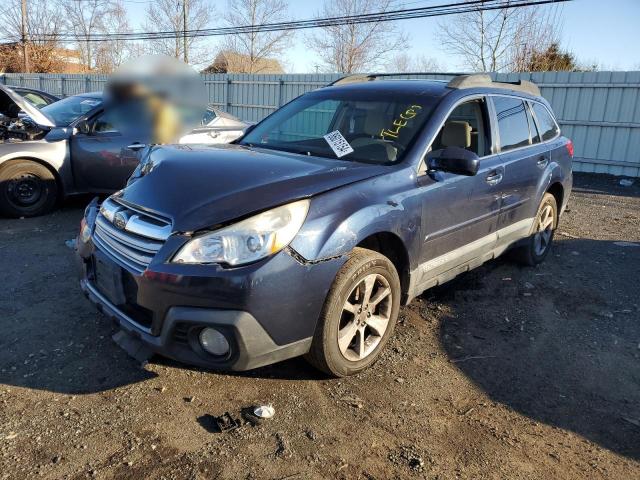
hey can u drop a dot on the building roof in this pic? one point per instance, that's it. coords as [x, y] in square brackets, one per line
[233, 62]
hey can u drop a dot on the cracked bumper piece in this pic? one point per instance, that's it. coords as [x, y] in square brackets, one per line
[251, 346]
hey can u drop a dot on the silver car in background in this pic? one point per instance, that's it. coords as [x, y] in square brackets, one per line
[71, 147]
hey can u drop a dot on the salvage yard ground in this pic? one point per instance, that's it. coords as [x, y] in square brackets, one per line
[507, 372]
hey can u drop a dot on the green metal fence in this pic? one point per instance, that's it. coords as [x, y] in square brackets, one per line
[599, 111]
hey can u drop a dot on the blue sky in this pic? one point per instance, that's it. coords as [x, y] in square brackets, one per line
[604, 32]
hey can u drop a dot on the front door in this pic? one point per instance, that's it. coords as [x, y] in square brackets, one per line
[100, 158]
[460, 212]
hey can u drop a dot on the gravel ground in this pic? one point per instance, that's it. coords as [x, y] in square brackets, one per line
[506, 372]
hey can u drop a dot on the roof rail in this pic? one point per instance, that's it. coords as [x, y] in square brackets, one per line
[460, 81]
[484, 80]
[369, 77]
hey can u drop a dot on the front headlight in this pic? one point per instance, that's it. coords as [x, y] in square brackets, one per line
[249, 240]
[85, 231]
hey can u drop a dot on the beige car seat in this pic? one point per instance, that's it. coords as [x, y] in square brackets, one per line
[456, 134]
[374, 123]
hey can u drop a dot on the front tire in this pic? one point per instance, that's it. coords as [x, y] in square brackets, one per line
[359, 315]
[538, 244]
[27, 189]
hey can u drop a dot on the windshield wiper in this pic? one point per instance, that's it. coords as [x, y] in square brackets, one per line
[299, 151]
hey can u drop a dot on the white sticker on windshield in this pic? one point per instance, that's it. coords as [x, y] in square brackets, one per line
[338, 143]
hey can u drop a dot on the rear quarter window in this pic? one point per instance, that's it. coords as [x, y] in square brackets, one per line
[513, 126]
[547, 126]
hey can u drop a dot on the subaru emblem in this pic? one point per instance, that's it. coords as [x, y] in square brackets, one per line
[120, 220]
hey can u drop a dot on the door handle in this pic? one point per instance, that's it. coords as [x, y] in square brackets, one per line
[136, 146]
[494, 178]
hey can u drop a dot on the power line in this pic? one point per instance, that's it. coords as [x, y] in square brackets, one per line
[389, 16]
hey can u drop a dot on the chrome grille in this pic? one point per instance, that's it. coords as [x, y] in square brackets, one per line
[138, 239]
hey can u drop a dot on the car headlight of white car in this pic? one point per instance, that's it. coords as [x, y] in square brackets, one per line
[249, 240]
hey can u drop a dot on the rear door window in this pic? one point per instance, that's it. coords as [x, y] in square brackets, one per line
[513, 126]
[546, 124]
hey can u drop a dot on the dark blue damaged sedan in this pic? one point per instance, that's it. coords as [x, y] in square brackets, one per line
[306, 235]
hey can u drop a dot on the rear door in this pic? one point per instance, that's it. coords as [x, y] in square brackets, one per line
[100, 158]
[524, 158]
[460, 212]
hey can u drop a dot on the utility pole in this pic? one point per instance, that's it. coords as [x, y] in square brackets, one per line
[25, 50]
[184, 31]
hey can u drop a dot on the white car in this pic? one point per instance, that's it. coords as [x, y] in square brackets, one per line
[217, 127]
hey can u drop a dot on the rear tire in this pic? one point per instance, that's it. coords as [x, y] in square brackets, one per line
[27, 189]
[359, 315]
[538, 244]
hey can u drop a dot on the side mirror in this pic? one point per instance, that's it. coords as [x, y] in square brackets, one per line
[455, 160]
[83, 127]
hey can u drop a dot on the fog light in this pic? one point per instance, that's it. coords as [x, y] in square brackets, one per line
[214, 342]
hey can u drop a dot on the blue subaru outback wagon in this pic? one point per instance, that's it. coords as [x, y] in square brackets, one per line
[306, 235]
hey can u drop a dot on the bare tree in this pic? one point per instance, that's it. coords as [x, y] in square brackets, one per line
[110, 54]
[44, 24]
[405, 63]
[168, 15]
[84, 19]
[500, 40]
[256, 47]
[356, 47]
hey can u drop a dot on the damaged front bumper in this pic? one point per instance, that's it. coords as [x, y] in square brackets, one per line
[267, 311]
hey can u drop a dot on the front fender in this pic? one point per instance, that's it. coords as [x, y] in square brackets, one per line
[53, 154]
[339, 220]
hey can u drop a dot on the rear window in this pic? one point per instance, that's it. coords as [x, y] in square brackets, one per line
[546, 124]
[513, 126]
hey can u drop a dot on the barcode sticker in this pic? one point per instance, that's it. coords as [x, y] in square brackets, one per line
[338, 143]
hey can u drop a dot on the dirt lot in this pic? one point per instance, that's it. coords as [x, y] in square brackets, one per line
[507, 372]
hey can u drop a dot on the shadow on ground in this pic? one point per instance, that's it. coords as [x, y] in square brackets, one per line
[564, 349]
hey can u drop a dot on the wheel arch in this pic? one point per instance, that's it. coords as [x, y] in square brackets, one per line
[391, 246]
[557, 190]
[45, 164]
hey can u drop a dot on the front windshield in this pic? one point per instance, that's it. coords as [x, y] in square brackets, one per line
[65, 111]
[366, 126]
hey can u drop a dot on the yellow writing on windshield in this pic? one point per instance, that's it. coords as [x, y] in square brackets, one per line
[400, 122]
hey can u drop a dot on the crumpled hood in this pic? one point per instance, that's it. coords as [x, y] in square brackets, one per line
[11, 103]
[200, 186]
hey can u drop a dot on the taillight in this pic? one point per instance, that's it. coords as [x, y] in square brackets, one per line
[570, 148]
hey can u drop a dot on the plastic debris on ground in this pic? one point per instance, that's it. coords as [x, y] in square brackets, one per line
[226, 422]
[264, 411]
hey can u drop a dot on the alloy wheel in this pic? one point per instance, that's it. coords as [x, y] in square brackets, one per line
[365, 317]
[544, 230]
